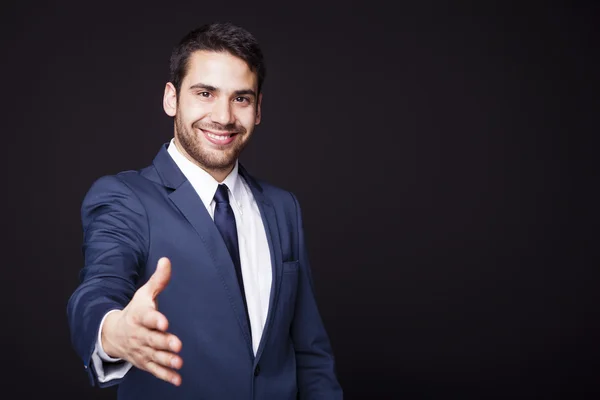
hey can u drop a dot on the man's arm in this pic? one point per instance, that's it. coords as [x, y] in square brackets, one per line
[115, 241]
[314, 356]
[116, 237]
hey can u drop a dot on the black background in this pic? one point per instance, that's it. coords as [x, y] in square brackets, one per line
[443, 157]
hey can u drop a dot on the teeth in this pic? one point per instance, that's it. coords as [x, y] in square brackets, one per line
[218, 137]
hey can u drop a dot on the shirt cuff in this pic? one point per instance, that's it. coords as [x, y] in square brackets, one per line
[107, 367]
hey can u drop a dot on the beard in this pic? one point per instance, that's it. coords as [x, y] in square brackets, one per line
[210, 159]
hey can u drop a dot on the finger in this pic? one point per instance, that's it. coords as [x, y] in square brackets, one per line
[160, 278]
[167, 359]
[163, 341]
[166, 374]
[153, 319]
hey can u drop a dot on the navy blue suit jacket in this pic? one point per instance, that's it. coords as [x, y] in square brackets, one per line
[132, 219]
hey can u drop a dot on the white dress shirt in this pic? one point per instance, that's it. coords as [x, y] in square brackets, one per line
[255, 257]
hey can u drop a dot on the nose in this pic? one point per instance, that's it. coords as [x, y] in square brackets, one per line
[221, 112]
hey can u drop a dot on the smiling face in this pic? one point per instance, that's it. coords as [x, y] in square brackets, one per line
[216, 110]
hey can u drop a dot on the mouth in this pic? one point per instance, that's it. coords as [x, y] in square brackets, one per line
[219, 138]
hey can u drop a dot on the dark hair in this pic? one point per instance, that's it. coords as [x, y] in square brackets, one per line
[217, 37]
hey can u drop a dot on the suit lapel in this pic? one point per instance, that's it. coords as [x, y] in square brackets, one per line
[187, 201]
[185, 198]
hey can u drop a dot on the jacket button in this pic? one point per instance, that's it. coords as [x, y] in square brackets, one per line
[257, 370]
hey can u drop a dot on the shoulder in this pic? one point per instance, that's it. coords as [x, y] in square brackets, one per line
[111, 185]
[123, 190]
[122, 183]
[285, 202]
[277, 194]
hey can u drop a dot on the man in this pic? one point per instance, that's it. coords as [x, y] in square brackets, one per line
[196, 281]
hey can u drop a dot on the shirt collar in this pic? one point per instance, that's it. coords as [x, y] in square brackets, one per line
[204, 184]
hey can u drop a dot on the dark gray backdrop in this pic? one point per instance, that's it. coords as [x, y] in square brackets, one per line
[442, 156]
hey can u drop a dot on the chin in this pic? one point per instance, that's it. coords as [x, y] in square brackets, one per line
[220, 162]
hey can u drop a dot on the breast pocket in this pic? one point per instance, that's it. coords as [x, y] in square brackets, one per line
[289, 287]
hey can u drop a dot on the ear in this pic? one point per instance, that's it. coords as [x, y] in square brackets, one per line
[170, 100]
[258, 112]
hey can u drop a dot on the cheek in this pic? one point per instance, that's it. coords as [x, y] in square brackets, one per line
[248, 118]
[195, 112]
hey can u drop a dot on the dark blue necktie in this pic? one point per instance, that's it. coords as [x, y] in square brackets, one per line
[225, 221]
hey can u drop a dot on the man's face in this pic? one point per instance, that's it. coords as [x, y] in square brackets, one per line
[216, 111]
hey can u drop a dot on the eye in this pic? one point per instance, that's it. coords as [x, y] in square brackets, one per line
[242, 99]
[204, 94]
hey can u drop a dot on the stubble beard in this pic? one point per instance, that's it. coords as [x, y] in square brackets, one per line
[209, 159]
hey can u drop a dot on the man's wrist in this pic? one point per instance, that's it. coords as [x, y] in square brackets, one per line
[105, 337]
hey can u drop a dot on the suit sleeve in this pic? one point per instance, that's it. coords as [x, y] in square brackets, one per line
[315, 364]
[115, 243]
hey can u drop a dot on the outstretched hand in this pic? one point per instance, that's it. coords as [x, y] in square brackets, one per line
[138, 333]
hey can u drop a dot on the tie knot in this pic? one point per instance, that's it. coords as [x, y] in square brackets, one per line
[222, 196]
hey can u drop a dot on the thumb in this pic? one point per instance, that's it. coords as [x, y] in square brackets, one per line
[160, 278]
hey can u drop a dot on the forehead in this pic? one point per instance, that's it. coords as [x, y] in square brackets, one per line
[220, 69]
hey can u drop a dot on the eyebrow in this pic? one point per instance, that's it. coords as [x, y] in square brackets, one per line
[211, 88]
